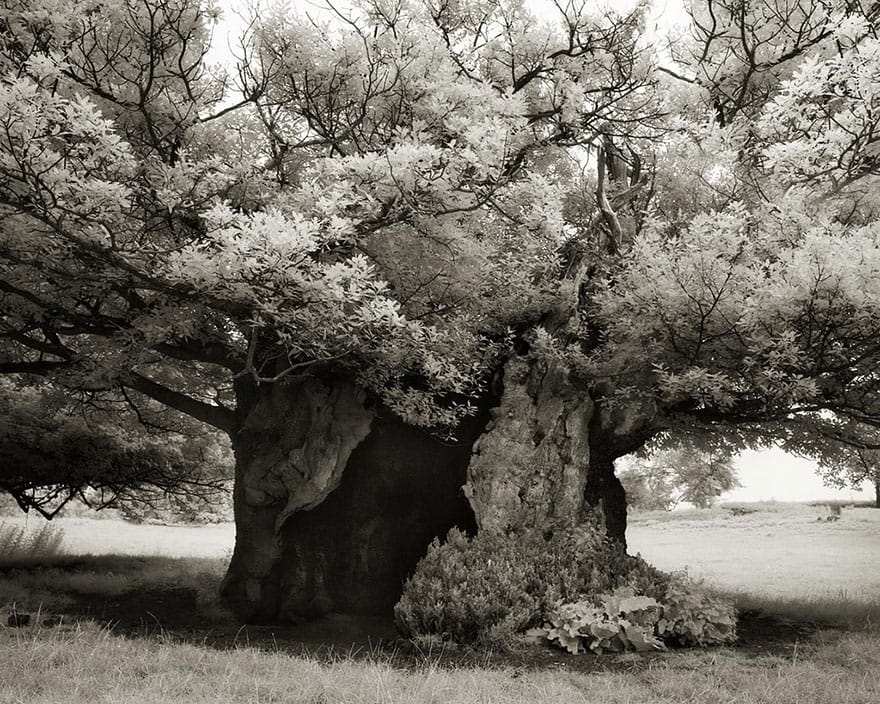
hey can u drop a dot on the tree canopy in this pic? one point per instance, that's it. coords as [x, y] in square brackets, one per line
[408, 193]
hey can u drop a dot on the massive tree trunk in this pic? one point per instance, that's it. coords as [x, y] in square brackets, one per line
[547, 457]
[291, 450]
[529, 467]
[335, 501]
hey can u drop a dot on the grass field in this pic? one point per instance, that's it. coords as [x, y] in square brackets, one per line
[781, 550]
[89, 665]
[809, 590]
[99, 536]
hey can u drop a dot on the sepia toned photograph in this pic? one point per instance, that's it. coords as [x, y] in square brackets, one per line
[439, 351]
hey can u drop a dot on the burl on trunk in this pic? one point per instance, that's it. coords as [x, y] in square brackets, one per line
[543, 459]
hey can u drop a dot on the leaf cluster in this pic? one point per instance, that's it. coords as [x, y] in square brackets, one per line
[684, 615]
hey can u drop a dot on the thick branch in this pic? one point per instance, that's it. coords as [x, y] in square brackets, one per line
[615, 231]
[217, 416]
[199, 351]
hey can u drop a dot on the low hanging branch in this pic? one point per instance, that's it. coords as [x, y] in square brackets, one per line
[53, 451]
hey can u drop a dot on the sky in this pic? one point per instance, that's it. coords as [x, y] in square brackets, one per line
[775, 475]
[764, 476]
[665, 14]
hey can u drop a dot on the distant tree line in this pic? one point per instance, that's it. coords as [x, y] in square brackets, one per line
[670, 477]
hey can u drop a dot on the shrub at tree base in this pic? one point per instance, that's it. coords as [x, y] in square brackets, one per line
[493, 588]
[571, 587]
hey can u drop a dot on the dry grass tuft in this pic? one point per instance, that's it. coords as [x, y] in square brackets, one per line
[23, 543]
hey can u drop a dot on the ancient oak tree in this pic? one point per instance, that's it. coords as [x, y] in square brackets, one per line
[433, 263]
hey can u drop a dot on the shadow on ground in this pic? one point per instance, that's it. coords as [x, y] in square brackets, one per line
[175, 614]
[142, 597]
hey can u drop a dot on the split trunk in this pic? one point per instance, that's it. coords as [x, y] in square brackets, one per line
[336, 499]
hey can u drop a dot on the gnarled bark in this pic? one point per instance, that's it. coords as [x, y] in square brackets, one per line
[529, 467]
[547, 456]
[291, 450]
[335, 502]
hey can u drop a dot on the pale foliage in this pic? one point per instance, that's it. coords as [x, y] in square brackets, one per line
[403, 192]
[674, 474]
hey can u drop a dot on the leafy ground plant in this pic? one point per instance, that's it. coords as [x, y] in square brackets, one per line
[623, 620]
[693, 616]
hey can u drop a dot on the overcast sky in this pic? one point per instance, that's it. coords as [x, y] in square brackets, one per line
[773, 474]
[665, 14]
